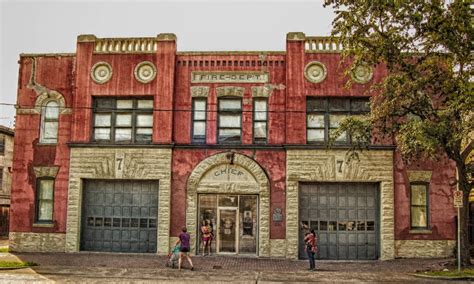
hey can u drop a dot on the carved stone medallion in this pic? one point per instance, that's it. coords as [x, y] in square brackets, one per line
[145, 72]
[362, 74]
[315, 72]
[101, 72]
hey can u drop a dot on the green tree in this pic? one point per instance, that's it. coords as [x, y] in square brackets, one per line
[425, 101]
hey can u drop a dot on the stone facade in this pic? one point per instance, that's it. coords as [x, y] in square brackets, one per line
[140, 164]
[424, 248]
[278, 248]
[197, 183]
[331, 166]
[36, 242]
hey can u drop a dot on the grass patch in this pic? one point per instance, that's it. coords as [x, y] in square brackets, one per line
[452, 273]
[16, 264]
[4, 249]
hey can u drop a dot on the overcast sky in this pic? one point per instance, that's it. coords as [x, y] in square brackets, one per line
[53, 26]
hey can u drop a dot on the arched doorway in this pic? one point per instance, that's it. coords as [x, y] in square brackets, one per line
[232, 191]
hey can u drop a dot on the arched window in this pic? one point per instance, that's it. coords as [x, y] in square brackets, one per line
[49, 122]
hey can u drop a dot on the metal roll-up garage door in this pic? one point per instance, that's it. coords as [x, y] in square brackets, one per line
[344, 217]
[119, 216]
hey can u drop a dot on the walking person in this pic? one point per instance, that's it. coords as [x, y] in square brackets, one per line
[310, 248]
[184, 240]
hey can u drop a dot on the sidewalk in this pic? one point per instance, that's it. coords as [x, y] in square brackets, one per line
[131, 268]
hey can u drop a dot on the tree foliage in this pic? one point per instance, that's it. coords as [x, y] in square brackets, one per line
[426, 99]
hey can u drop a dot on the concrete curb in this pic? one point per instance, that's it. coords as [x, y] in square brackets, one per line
[14, 268]
[443, 277]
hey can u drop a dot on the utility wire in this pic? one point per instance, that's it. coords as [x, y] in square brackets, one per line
[161, 110]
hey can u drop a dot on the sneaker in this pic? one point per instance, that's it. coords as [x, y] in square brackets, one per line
[192, 268]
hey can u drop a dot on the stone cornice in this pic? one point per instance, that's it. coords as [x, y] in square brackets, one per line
[86, 38]
[295, 36]
[166, 37]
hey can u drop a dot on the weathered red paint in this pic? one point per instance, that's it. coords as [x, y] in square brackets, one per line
[70, 75]
[273, 162]
[442, 212]
[55, 73]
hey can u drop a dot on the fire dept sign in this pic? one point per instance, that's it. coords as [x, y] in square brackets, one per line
[458, 198]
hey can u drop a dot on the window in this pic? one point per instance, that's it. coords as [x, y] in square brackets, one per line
[2, 144]
[419, 200]
[1, 178]
[260, 121]
[230, 120]
[123, 120]
[199, 120]
[44, 200]
[324, 115]
[49, 122]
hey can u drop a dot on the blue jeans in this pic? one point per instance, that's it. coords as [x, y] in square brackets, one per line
[312, 264]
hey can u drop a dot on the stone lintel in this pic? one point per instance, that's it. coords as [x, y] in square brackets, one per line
[419, 176]
[199, 91]
[46, 171]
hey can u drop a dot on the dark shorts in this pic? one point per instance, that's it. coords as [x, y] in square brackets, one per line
[184, 249]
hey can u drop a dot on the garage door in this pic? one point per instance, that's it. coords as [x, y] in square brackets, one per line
[119, 216]
[344, 217]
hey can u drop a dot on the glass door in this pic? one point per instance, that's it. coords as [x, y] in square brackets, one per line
[227, 230]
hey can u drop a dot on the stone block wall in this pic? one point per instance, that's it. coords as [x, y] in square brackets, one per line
[36, 242]
[116, 164]
[331, 166]
[424, 248]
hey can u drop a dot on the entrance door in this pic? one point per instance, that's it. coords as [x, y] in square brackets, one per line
[227, 230]
[233, 221]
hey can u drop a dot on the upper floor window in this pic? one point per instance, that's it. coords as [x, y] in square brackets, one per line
[123, 120]
[419, 205]
[44, 200]
[2, 144]
[199, 120]
[230, 120]
[325, 114]
[260, 120]
[49, 122]
[1, 178]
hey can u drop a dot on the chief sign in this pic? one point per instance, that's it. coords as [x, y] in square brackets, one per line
[457, 198]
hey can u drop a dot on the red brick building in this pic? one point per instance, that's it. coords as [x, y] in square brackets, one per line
[6, 158]
[122, 143]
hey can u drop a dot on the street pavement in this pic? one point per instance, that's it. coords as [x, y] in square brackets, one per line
[144, 268]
